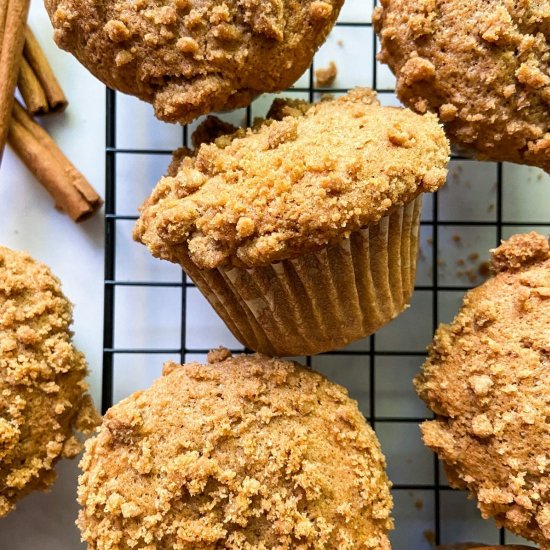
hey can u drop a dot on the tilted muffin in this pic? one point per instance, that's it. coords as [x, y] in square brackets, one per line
[303, 231]
[246, 453]
[192, 57]
[43, 399]
[487, 379]
[483, 66]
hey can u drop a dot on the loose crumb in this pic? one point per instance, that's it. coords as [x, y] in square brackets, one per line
[324, 78]
[429, 535]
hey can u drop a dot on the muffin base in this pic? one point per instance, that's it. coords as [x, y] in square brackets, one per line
[322, 300]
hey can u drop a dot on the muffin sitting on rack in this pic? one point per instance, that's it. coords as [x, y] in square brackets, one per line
[43, 399]
[487, 379]
[246, 453]
[482, 65]
[193, 57]
[302, 232]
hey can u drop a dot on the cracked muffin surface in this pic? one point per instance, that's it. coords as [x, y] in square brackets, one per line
[307, 176]
[487, 379]
[192, 57]
[43, 399]
[482, 66]
[246, 452]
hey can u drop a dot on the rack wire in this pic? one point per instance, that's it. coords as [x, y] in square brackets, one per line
[370, 357]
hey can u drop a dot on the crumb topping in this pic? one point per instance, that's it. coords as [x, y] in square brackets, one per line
[487, 378]
[484, 67]
[43, 398]
[193, 57]
[246, 452]
[311, 177]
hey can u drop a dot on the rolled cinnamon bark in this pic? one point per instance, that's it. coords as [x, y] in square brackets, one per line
[70, 190]
[14, 17]
[31, 90]
[36, 59]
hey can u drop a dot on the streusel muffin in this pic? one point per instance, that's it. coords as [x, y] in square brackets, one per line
[302, 232]
[487, 379]
[482, 65]
[244, 453]
[193, 57]
[43, 399]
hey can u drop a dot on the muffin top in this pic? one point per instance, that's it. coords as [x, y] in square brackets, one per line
[192, 57]
[43, 396]
[247, 452]
[305, 177]
[487, 378]
[484, 66]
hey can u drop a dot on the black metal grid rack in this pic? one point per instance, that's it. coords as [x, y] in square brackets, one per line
[371, 356]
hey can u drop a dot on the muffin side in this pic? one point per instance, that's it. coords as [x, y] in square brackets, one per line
[43, 400]
[484, 67]
[487, 380]
[193, 57]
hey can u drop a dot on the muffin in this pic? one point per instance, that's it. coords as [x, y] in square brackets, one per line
[246, 453]
[43, 399]
[482, 66]
[302, 232]
[192, 57]
[487, 379]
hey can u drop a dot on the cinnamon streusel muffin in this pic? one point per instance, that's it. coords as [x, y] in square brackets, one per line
[192, 57]
[487, 379]
[302, 232]
[245, 453]
[43, 399]
[482, 65]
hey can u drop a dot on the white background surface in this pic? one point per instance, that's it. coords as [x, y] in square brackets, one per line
[147, 318]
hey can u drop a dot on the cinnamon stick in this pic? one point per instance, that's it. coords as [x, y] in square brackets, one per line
[31, 90]
[13, 37]
[70, 190]
[36, 59]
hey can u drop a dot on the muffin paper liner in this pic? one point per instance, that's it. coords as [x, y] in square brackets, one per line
[322, 300]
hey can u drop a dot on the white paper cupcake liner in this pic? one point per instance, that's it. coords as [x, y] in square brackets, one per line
[322, 300]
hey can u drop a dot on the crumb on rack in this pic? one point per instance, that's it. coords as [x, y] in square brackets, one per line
[484, 269]
[429, 535]
[325, 77]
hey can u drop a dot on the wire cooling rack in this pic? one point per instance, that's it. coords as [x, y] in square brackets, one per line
[480, 205]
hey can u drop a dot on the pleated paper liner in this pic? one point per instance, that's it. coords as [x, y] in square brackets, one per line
[323, 300]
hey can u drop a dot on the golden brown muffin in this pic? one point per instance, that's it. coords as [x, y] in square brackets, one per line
[192, 57]
[487, 379]
[302, 232]
[293, 185]
[43, 399]
[483, 66]
[245, 453]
